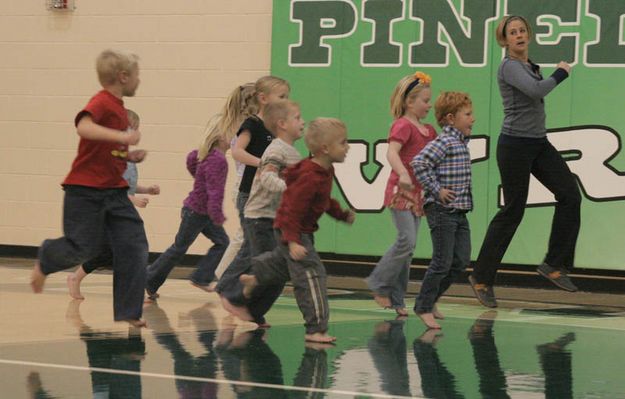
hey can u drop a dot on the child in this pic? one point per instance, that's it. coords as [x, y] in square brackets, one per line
[240, 105]
[410, 103]
[252, 140]
[201, 213]
[131, 175]
[96, 204]
[284, 118]
[306, 198]
[443, 168]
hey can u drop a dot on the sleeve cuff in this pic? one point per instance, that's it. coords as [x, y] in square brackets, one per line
[559, 75]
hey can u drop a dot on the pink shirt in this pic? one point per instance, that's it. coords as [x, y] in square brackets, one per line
[412, 141]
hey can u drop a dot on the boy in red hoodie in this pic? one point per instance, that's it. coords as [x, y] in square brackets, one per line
[305, 199]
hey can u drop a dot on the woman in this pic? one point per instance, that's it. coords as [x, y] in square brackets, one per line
[523, 149]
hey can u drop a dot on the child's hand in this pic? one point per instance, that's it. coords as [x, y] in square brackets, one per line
[136, 156]
[446, 196]
[351, 217]
[132, 137]
[405, 182]
[139, 202]
[297, 251]
[154, 189]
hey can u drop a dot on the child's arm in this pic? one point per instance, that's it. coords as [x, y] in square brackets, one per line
[271, 164]
[154, 189]
[192, 162]
[216, 174]
[423, 165]
[240, 154]
[338, 213]
[392, 154]
[88, 129]
[139, 202]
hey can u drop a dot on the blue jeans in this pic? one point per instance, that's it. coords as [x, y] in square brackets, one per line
[95, 219]
[451, 253]
[191, 225]
[391, 274]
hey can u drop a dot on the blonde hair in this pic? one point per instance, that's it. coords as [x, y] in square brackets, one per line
[319, 130]
[212, 135]
[450, 102]
[276, 111]
[111, 62]
[399, 98]
[500, 31]
[267, 84]
[240, 104]
[133, 118]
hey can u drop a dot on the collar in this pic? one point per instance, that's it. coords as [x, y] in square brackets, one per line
[452, 131]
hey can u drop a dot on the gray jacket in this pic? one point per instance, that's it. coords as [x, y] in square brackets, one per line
[522, 90]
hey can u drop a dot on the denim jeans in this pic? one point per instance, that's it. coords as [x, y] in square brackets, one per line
[517, 158]
[93, 219]
[191, 225]
[391, 274]
[451, 253]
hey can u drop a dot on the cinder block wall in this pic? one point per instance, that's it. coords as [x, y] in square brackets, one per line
[192, 54]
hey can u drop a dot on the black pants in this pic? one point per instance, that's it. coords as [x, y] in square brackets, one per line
[93, 218]
[517, 159]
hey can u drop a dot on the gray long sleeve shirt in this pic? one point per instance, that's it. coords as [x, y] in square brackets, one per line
[522, 90]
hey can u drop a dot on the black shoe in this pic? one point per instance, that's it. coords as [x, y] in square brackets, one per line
[484, 293]
[557, 276]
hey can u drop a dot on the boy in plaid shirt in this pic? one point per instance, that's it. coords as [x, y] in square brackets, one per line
[443, 168]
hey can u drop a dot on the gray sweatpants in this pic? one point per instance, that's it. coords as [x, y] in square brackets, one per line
[307, 275]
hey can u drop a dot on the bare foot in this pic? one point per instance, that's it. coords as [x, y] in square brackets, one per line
[318, 346]
[239, 311]
[319, 337]
[383, 301]
[37, 279]
[206, 288]
[139, 323]
[429, 321]
[437, 314]
[249, 282]
[264, 325]
[73, 285]
[430, 336]
[150, 297]
[401, 312]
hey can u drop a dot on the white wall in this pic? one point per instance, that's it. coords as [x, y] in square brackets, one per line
[193, 53]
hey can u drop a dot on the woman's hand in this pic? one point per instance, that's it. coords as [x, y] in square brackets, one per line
[565, 66]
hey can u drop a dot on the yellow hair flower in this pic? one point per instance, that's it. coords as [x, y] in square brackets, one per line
[424, 78]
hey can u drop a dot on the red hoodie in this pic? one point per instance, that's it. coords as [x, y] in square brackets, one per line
[306, 198]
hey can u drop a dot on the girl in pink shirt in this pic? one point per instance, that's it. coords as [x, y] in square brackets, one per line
[410, 103]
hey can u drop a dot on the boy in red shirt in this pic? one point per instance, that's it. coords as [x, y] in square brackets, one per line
[96, 207]
[305, 199]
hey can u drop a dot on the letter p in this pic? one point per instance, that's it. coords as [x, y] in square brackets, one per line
[319, 20]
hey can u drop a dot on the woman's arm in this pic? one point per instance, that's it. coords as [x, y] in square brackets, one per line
[515, 74]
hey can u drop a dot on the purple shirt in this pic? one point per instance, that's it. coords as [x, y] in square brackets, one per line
[207, 196]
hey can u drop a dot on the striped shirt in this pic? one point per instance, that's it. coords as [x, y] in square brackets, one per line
[446, 163]
[268, 185]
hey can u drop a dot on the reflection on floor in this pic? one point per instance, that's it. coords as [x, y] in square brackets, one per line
[54, 347]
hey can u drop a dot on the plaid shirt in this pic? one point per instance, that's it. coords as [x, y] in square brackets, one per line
[446, 163]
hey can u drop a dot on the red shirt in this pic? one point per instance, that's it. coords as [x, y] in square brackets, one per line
[101, 164]
[306, 198]
[412, 141]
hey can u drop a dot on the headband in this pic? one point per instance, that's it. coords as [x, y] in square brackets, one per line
[510, 18]
[420, 77]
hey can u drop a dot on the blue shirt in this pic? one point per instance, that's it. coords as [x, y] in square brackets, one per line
[446, 163]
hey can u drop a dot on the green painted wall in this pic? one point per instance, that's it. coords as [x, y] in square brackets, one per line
[343, 59]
